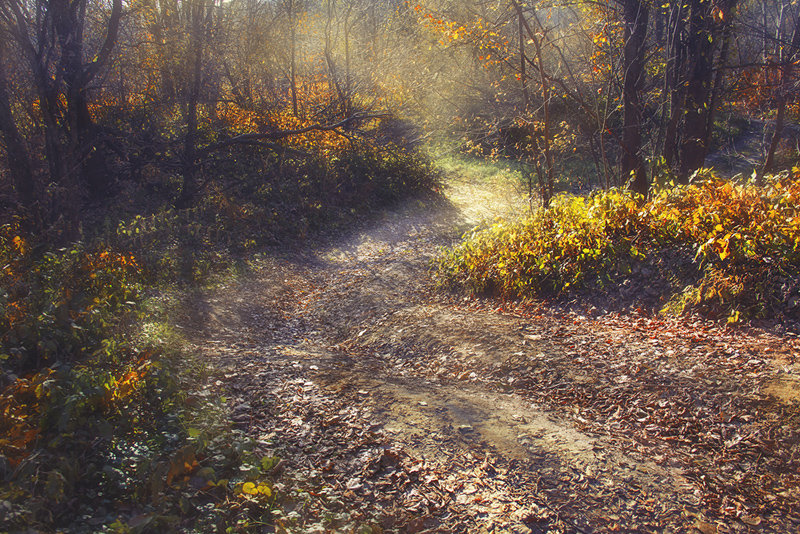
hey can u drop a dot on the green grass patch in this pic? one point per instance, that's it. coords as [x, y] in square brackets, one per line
[480, 169]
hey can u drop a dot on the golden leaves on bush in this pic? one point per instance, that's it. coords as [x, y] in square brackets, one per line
[20, 408]
[743, 236]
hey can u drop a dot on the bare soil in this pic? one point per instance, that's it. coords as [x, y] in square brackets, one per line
[397, 407]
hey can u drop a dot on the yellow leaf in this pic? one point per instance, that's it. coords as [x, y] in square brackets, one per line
[249, 488]
[20, 244]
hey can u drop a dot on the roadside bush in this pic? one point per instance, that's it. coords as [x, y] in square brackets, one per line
[745, 241]
[578, 241]
[56, 306]
[269, 198]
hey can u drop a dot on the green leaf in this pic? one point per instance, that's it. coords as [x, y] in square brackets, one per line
[268, 462]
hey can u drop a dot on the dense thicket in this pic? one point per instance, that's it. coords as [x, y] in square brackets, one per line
[96, 96]
[101, 98]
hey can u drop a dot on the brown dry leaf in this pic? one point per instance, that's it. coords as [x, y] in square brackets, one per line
[182, 463]
[753, 521]
[705, 527]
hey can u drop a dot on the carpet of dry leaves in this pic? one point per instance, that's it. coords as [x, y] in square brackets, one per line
[399, 408]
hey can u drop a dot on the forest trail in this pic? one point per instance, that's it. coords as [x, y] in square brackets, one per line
[399, 408]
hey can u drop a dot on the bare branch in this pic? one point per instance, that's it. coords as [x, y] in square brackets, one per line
[252, 138]
[108, 44]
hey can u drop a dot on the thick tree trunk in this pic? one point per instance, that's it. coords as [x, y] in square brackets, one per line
[636, 15]
[83, 138]
[694, 147]
[674, 87]
[89, 162]
[189, 186]
[704, 36]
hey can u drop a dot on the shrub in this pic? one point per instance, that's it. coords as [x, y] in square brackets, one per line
[745, 240]
[577, 242]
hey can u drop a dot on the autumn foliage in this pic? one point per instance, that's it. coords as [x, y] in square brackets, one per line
[743, 242]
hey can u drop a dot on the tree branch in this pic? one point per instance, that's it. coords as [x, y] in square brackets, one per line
[108, 44]
[253, 138]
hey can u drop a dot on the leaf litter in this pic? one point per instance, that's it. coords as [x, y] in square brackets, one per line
[396, 408]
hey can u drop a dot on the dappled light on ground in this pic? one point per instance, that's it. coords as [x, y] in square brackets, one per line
[395, 406]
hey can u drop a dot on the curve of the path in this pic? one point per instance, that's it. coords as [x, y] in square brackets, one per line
[397, 408]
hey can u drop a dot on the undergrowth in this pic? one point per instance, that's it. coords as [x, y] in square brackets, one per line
[744, 240]
[106, 420]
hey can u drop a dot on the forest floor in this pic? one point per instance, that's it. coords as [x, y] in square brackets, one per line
[399, 407]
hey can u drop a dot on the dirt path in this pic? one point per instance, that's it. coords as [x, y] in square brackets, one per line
[398, 408]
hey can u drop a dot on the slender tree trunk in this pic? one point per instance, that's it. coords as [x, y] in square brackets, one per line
[769, 160]
[333, 75]
[189, 187]
[548, 184]
[19, 163]
[293, 59]
[348, 80]
[522, 59]
[787, 71]
[719, 75]
[596, 159]
[674, 86]
[548, 154]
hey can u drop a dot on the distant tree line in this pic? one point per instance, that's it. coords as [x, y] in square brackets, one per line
[96, 94]
[639, 85]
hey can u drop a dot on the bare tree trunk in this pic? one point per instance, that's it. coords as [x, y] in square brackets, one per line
[522, 59]
[698, 90]
[769, 160]
[19, 163]
[674, 88]
[196, 45]
[719, 77]
[787, 70]
[348, 80]
[635, 15]
[293, 52]
[334, 77]
[547, 190]
[84, 142]
[548, 183]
